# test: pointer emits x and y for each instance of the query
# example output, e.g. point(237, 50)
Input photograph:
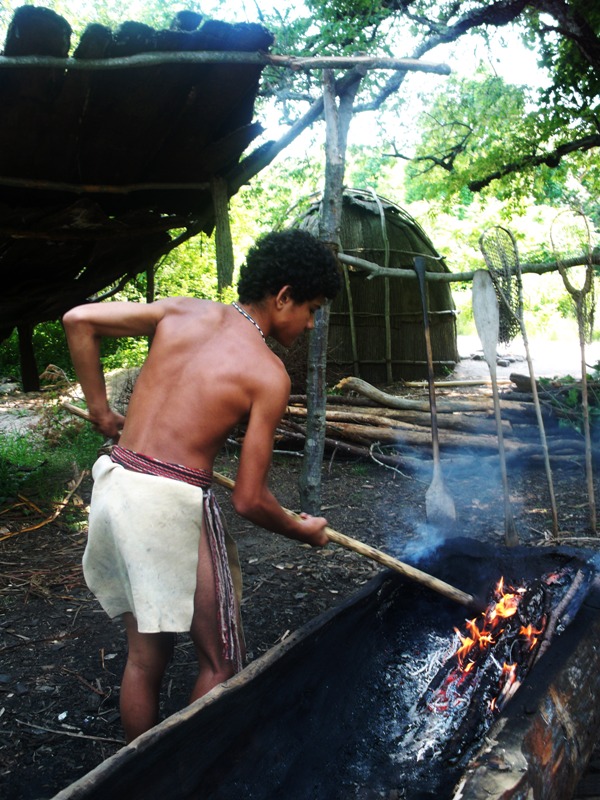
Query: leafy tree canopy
point(477, 133)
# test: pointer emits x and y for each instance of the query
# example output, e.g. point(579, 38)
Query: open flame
point(477, 643)
point(469, 687)
point(531, 634)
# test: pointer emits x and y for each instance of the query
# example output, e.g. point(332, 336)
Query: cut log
point(454, 384)
point(563, 453)
point(412, 437)
point(445, 404)
point(407, 420)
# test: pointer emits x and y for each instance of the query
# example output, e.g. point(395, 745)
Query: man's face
point(297, 318)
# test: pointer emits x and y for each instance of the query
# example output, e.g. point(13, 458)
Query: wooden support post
point(223, 241)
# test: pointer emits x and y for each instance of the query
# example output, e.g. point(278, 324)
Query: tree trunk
point(223, 242)
point(29, 369)
point(337, 123)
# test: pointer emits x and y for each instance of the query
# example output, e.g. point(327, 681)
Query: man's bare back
point(212, 366)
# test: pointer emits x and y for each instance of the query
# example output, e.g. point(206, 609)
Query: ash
point(424, 722)
point(408, 736)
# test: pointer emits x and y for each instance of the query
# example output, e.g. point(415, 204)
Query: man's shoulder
point(271, 371)
point(189, 307)
point(185, 303)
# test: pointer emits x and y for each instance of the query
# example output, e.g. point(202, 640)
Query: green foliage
point(473, 127)
point(368, 167)
point(189, 270)
point(50, 347)
point(123, 353)
point(49, 344)
point(548, 308)
point(347, 26)
point(283, 192)
point(41, 461)
point(577, 87)
point(565, 396)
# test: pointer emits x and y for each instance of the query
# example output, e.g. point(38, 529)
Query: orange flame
point(481, 635)
point(478, 638)
point(531, 634)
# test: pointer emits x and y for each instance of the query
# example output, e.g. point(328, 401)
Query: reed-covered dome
point(376, 327)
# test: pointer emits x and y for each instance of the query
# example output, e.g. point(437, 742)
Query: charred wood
point(555, 620)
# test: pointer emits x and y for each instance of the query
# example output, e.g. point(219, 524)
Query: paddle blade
point(439, 505)
point(486, 313)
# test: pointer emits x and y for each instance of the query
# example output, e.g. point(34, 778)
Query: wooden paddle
point(439, 506)
point(487, 321)
point(414, 574)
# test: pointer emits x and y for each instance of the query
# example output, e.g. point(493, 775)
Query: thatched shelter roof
point(102, 167)
point(376, 325)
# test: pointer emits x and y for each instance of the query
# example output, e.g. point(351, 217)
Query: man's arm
point(252, 498)
point(84, 327)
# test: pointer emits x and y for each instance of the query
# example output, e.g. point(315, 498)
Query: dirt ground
point(61, 658)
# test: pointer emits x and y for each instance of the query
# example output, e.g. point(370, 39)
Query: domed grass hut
point(376, 326)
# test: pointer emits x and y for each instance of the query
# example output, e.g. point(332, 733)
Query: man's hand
point(108, 423)
point(313, 530)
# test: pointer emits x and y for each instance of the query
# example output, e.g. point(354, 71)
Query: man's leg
point(213, 668)
point(147, 659)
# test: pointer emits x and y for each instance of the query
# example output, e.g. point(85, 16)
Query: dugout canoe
point(321, 715)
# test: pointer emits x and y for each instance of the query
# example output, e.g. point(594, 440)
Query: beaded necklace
point(253, 321)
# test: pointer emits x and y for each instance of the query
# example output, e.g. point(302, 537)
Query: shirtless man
point(149, 557)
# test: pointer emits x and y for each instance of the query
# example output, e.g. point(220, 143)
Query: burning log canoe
point(336, 711)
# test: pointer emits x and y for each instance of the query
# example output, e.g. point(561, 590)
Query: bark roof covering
point(99, 166)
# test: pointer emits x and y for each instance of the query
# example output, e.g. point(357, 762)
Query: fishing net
point(570, 233)
point(501, 256)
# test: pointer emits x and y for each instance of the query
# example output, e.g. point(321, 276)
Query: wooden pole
point(412, 573)
point(337, 122)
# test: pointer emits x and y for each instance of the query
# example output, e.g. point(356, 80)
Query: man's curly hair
point(292, 257)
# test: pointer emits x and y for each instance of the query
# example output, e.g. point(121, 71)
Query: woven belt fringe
point(230, 636)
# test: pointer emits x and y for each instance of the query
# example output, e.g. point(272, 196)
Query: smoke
point(426, 541)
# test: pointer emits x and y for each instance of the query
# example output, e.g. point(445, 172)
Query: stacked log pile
point(395, 429)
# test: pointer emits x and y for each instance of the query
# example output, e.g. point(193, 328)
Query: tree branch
point(552, 159)
point(295, 63)
point(266, 153)
point(497, 14)
point(376, 271)
point(573, 27)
